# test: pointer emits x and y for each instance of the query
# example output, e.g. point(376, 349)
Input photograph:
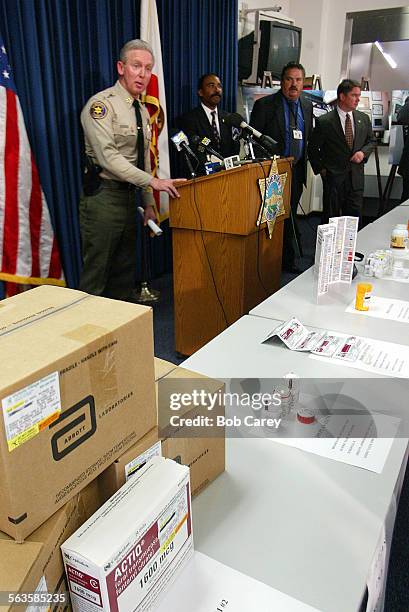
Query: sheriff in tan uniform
point(120, 147)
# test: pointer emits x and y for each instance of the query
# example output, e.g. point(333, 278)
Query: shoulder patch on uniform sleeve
point(98, 110)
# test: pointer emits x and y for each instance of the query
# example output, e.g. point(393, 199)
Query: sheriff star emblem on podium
point(271, 190)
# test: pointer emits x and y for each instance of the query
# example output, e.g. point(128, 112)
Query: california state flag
point(155, 101)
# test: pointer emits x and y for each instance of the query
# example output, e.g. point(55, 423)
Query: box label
point(30, 410)
point(135, 575)
point(135, 465)
point(84, 586)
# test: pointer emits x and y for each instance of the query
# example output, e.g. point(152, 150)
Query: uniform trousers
point(108, 231)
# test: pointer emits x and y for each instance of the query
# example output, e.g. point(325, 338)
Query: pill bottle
point(399, 236)
point(399, 270)
point(294, 389)
point(363, 296)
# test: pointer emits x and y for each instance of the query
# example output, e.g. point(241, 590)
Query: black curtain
point(63, 51)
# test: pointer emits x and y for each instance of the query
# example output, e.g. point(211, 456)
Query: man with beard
point(206, 120)
point(286, 116)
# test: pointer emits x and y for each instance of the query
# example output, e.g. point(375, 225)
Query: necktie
point(294, 142)
point(139, 143)
point(216, 135)
point(349, 136)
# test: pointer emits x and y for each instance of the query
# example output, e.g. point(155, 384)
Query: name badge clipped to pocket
point(297, 134)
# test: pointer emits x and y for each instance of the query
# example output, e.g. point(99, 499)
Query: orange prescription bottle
point(363, 296)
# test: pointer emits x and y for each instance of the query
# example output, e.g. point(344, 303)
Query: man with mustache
point(118, 176)
point(206, 120)
point(286, 116)
point(340, 145)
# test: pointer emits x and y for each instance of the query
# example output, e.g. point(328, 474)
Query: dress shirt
point(342, 115)
point(208, 112)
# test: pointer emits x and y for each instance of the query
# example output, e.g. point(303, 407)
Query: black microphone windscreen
point(234, 120)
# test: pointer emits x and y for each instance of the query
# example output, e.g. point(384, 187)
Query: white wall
point(385, 77)
point(323, 53)
point(323, 24)
point(360, 66)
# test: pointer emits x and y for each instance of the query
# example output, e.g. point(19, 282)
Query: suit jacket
point(268, 118)
point(328, 148)
point(403, 119)
point(195, 122)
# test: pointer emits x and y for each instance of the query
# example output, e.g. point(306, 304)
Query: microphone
point(181, 142)
point(203, 144)
point(236, 120)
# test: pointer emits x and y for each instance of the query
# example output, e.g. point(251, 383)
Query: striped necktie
point(349, 135)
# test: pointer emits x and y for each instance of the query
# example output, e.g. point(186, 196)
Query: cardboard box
point(128, 464)
point(37, 563)
point(76, 390)
point(132, 548)
point(204, 456)
point(162, 368)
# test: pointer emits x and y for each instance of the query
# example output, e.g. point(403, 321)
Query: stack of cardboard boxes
point(77, 391)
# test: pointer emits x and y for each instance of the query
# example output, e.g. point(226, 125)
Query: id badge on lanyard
point(297, 134)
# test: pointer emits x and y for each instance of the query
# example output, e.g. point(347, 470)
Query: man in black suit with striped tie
point(206, 120)
point(339, 147)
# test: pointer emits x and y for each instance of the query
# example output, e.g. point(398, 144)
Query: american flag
point(28, 250)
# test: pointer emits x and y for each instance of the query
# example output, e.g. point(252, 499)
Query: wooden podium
point(219, 254)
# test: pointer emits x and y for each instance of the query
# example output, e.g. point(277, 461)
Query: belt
point(118, 185)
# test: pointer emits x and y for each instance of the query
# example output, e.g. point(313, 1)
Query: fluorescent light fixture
point(387, 57)
point(390, 60)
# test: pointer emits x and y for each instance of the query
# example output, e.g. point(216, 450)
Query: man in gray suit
point(340, 145)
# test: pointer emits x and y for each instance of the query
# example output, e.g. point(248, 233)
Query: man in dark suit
point(286, 116)
point(339, 146)
point(403, 169)
point(207, 120)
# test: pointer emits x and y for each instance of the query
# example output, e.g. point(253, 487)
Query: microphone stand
point(248, 146)
point(253, 141)
point(189, 165)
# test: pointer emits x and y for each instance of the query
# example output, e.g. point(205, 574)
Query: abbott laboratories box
point(36, 564)
point(128, 464)
point(76, 390)
point(204, 455)
point(130, 550)
point(162, 367)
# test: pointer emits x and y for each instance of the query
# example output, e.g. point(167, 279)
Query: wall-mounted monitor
point(280, 43)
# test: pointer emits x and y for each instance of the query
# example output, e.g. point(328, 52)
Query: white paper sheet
point(384, 308)
point(350, 439)
point(375, 356)
point(206, 585)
